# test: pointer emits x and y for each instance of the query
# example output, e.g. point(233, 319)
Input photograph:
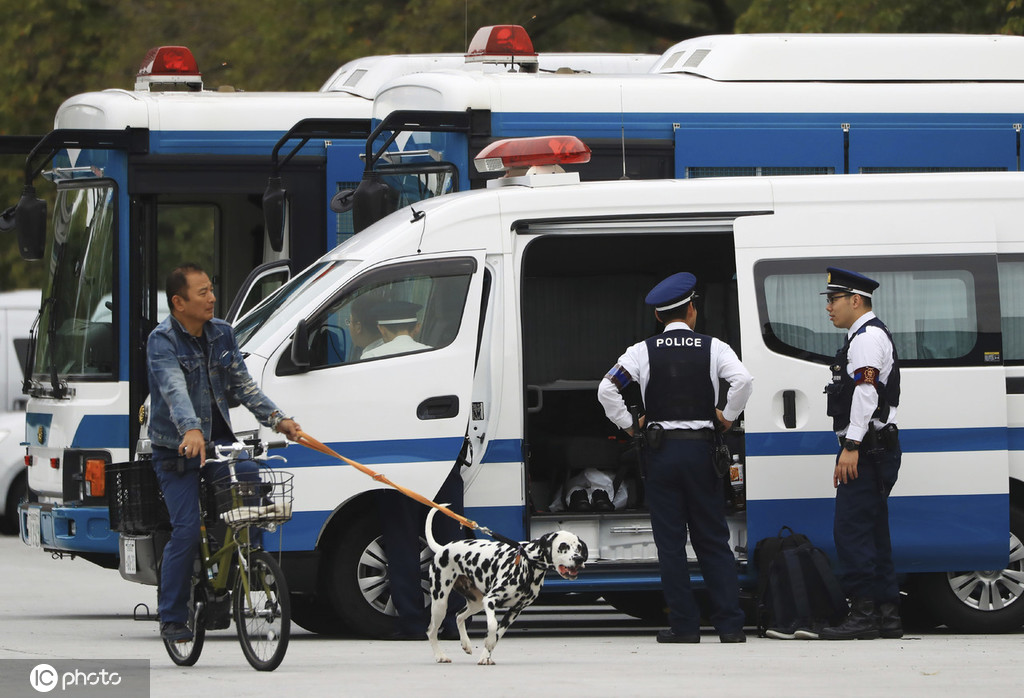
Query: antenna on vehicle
point(622, 119)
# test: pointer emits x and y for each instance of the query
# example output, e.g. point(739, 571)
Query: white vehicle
point(530, 290)
point(169, 172)
point(17, 311)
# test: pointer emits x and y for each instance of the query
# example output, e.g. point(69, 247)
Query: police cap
point(673, 292)
point(396, 312)
point(840, 280)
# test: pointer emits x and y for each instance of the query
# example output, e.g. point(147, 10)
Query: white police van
point(530, 290)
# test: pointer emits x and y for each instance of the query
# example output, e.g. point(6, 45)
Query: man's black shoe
point(730, 638)
point(668, 636)
point(861, 624)
point(601, 501)
point(578, 501)
point(175, 632)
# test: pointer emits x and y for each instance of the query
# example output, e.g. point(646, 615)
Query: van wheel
point(19, 488)
point(645, 605)
point(982, 601)
point(360, 588)
point(316, 615)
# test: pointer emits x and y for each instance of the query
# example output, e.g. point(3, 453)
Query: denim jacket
point(179, 375)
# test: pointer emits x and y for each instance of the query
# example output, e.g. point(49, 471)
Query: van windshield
point(280, 308)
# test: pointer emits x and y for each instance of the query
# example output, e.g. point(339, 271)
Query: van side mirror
point(273, 212)
point(300, 345)
point(371, 201)
point(30, 224)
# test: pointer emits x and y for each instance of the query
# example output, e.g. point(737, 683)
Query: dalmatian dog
point(493, 575)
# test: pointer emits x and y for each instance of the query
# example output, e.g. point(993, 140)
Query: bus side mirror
point(371, 201)
point(300, 345)
point(273, 212)
point(30, 224)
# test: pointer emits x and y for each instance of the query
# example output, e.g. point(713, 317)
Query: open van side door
point(950, 508)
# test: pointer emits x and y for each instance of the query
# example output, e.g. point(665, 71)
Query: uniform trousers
point(683, 492)
point(402, 522)
point(861, 528)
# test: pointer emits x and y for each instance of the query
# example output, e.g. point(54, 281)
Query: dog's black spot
point(443, 560)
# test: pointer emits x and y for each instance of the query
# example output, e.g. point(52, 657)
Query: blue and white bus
point(737, 105)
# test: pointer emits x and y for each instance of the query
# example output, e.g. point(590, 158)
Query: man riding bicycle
point(194, 368)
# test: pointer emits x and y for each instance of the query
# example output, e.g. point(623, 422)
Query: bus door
point(949, 509)
point(400, 401)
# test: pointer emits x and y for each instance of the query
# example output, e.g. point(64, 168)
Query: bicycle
point(232, 578)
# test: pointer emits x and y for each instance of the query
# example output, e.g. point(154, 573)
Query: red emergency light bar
point(169, 60)
point(523, 153)
point(172, 67)
point(501, 43)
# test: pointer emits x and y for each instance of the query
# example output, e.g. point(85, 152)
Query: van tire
point(974, 613)
point(358, 585)
point(19, 489)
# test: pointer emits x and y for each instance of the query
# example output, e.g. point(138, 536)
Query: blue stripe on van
point(378, 452)
point(504, 451)
point(816, 443)
point(929, 533)
point(101, 431)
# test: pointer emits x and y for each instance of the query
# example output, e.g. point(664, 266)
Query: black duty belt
point(690, 434)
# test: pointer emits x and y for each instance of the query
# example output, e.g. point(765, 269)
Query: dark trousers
point(402, 522)
point(181, 494)
point(683, 491)
point(861, 528)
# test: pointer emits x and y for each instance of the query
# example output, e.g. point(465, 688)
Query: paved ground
point(52, 610)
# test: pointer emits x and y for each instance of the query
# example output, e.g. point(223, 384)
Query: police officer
point(678, 372)
point(862, 401)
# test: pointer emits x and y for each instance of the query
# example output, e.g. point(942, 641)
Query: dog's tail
point(428, 533)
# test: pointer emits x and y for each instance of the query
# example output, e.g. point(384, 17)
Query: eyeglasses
point(833, 297)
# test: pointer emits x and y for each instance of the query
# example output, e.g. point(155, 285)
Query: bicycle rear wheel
point(263, 617)
point(187, 653)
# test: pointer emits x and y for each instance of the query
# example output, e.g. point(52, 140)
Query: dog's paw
point(485, 659)
point(467, 648)
point(442, 659)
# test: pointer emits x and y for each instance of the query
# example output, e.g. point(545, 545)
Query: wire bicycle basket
point(261, 497)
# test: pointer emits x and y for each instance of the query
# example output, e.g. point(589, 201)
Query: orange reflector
point(55, 463)
point(28, 459)
point(95, 482)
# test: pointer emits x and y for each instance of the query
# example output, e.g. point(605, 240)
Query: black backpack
point(796, 588)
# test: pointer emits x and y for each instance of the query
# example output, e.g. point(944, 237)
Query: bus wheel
point(982, 601)
point(360, 586)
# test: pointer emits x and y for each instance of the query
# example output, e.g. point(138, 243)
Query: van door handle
point(442, 407)
point(789, 409)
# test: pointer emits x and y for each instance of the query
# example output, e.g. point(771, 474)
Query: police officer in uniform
point(678, 372)
point(862, 401)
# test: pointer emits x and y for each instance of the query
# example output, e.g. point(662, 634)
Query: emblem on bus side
point(142, 414)
point(41, 434)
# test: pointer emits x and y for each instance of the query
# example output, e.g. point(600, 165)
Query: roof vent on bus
point(534, 161)
point(503, 44)
point(169, 68)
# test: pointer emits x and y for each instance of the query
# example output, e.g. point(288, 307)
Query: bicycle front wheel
point(262, 609)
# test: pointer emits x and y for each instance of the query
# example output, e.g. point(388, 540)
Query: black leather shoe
point(578, 501)
point(668, 636)
point(601, 502)
point(175, 632)
point(889, 624)
point(730, 638)
point(861, 624)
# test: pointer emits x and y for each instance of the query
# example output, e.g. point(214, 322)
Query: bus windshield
point(76, 326)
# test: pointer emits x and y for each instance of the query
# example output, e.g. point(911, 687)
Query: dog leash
point(309, 442)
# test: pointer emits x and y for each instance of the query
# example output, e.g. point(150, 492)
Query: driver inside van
point(397, 322)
